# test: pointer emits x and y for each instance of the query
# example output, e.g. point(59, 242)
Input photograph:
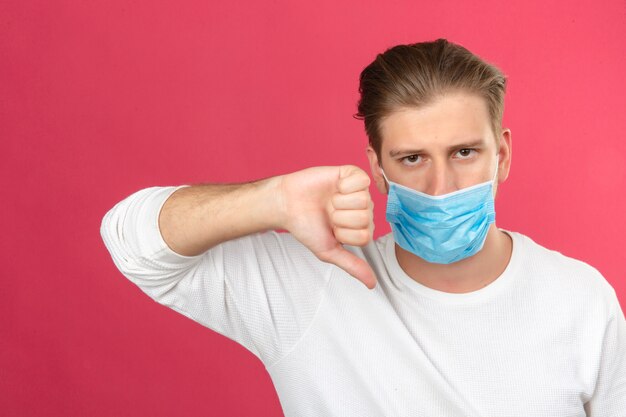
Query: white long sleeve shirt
point(546, 338)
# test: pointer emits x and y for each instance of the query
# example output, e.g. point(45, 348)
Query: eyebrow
point(470, 144)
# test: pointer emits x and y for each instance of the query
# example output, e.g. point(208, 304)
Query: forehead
point(451, 119)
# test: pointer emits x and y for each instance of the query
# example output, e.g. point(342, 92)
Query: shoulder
point(562, 274)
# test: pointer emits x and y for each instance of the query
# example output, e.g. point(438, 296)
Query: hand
point(325, 207)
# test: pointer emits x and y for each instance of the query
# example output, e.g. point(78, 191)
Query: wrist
point(273, 196)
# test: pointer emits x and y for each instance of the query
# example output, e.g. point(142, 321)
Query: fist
point(352, 210)
point(325, 207)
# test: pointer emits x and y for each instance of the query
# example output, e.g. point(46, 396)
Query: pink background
point(101, 99)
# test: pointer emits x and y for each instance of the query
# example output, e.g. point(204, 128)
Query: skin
point(327, 207)
point(441, 157)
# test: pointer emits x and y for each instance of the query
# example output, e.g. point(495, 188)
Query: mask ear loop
point(495, 174)
point(386, 180)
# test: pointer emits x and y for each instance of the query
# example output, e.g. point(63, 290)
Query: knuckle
point(363, 200)
point(365, 178)
point(323, 256)
point(363, 236)
point(339, 234)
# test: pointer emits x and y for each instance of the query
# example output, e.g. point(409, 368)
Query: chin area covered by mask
point(441, 229)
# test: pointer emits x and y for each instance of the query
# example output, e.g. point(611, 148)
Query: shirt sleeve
point(261, 290)
point(609, 397)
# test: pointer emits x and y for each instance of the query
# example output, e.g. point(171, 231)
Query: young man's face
point(444, 147)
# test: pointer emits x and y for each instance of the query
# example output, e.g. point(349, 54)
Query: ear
point(504, 153)
point(379, 180)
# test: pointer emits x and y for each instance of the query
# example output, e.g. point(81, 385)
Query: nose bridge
point(440, 178)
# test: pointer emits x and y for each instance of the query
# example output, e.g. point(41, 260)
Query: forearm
point(196, 218)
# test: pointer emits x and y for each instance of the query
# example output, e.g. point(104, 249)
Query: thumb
point(352, 264)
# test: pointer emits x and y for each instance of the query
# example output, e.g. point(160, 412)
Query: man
point(456, 317)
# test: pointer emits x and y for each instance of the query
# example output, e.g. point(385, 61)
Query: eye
point(466, 153)
point(411, 160)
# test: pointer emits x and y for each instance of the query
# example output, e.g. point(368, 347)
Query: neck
point(467, 275)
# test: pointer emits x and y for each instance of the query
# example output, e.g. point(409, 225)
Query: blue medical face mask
point(441, 229)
